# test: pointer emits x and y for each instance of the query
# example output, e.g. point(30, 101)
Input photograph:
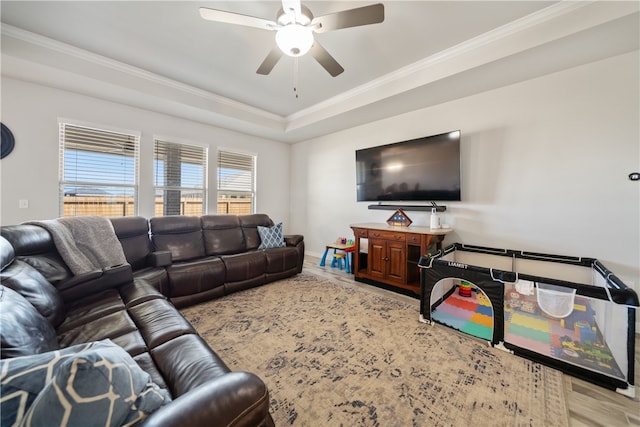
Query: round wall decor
point(7, 143)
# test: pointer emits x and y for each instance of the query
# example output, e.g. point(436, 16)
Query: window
point(236, 183)
point(98, 171)
point(180, 178)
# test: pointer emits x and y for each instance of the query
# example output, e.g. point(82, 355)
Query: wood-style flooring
point(589, 404)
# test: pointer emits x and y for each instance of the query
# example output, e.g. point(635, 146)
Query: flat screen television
point(422, 169)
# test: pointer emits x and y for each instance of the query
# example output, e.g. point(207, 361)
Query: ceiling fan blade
point(325, 59)
point(270, 61)
point(236, 18)
point(292, 6)
point(365, 15)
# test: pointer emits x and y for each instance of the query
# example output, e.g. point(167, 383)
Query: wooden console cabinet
point(389, 255)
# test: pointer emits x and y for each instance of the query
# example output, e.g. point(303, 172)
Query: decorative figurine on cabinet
point(399, 219)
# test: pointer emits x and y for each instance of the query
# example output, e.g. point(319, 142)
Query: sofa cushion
point(281, 259)
point(222, 234)
point(249, 224)
point(180, 235)
point(159, 322)
point(133, 234)
point(34, 245)
point(89, 308)
point(196, 276)
point(24, 330)
point(111, 326)
point(187, 362)
point(156, 277)
point(271, 237)
point(101, 383)
point(241, 267)
point(7, 254)
point(32, 285)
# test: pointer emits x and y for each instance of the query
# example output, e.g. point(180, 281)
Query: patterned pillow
point(95, 381)
point(271, 237)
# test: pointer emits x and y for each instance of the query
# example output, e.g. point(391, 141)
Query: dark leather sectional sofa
point(173, 262)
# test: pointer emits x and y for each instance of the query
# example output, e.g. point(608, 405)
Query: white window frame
point(100, 135)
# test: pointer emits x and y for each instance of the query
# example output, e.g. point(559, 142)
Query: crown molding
point(497, 43)
point(138, 73)
point(29, 54)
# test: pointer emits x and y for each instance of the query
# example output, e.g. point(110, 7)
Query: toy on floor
point(464, 290)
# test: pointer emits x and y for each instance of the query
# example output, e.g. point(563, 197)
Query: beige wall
point(544, 163)
point(30, 172)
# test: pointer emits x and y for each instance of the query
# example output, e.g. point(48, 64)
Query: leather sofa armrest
point(83, 285)
point(160, 258)
point(293, 239)
point(74, 281)
point(234, 399)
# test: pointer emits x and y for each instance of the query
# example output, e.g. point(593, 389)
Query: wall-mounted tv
point(422, 169)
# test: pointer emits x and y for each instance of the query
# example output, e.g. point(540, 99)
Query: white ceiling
point(162, 56)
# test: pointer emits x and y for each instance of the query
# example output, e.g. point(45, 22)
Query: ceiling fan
point(295, 25)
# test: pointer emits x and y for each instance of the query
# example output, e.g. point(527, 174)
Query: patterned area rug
point(336, 354)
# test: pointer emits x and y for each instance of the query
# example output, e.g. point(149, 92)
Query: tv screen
point(423, 169)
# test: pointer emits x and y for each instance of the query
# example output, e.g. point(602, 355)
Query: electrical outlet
point(23, 204)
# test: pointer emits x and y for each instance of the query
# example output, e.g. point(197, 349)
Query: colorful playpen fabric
point(472, 315)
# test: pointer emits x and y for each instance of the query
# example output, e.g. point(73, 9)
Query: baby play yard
point(569, 313)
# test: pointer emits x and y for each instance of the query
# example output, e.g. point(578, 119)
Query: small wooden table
point(347, 249)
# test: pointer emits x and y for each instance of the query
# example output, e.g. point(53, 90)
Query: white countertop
point(409, 229)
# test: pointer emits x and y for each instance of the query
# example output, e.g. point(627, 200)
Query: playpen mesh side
point(569, 327)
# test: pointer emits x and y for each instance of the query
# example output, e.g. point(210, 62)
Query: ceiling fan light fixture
point(294, 39)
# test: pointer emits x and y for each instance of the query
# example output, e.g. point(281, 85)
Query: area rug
point(335, 354)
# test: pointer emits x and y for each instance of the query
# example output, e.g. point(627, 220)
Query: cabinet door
point(377, 258)
point(396, 265)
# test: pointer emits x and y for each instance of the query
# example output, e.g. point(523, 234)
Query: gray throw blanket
point(85, 243)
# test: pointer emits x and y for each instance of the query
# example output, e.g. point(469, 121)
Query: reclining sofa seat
point(215, 255)
point(136, 316)
point(133, 234)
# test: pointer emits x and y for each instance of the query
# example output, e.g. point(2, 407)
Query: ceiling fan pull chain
point(295, 76)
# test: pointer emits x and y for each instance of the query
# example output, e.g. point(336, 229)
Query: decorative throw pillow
point(271, 237)
point(23, 378)
point(89, 384)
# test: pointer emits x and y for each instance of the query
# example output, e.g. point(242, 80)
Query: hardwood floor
point(589, 405)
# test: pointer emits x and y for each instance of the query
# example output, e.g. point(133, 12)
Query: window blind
point(236, 183)
point(180, 178)
point(235, 171)
point(98, 171)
